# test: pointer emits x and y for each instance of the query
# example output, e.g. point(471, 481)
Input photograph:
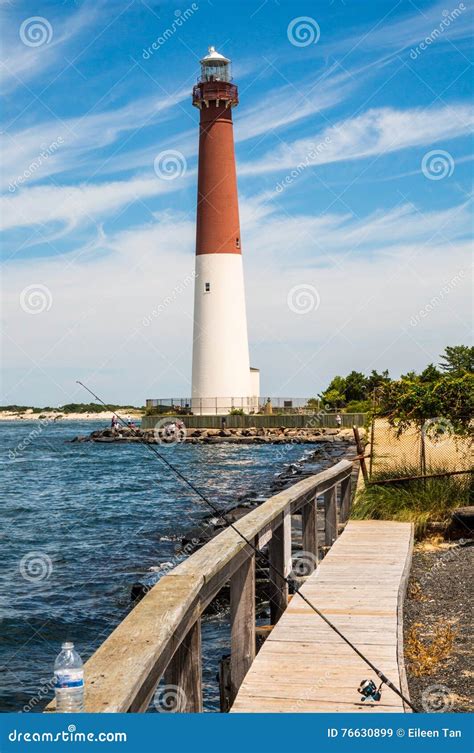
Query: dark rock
point(138, 591)
point(461, 525)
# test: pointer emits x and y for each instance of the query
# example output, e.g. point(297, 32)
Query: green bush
point(358, 406)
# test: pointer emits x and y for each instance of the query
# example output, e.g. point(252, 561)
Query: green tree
point(430, 374)
point(458, 359)
point(412, 401)
point(376, 380)
point(356, 386)
point(335, 394)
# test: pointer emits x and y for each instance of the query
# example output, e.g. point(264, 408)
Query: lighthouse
point(221, 374)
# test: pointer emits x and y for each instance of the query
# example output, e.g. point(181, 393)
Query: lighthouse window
point(207, 287)
point(237, 242)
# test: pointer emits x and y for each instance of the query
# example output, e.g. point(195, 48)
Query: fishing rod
point(261, 556)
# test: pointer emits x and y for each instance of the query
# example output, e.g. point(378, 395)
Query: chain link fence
point(431, 448)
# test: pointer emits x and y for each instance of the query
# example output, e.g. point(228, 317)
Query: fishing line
point(261, 556)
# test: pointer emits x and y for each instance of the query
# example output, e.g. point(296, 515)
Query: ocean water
point(80, 523)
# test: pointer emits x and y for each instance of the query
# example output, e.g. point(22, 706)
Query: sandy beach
point(50, 416)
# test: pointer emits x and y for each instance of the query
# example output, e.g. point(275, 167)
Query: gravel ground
point(441, 593)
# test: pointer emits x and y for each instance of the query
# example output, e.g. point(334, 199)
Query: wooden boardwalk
point(303, 665)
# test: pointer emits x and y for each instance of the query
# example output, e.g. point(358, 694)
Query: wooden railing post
point(345, 499)
point(279, 552)
point(309, 522)
point(184, 674)
point(360, 452)
point(330, 525)
point(242, 623)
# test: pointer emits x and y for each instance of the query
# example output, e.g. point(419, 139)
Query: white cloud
point(415, 27)
point(75, 204)
point(22, 63)
point(377, 131)
point(286, 105)
point(76, 140)
point(373, 280)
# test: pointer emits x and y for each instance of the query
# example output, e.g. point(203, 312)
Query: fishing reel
point(369, 690)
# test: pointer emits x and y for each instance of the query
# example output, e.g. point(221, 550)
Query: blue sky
point(353, 145)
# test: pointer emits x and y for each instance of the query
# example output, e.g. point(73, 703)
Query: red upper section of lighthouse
point(217, 227)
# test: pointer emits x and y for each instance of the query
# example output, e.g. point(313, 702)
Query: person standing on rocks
point(338, 420)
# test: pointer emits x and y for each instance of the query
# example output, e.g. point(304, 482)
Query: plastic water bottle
point(69, 680)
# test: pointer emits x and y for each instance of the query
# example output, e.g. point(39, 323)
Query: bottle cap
point(67, 644)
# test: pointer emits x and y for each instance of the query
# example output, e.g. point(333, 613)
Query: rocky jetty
point(171, 433)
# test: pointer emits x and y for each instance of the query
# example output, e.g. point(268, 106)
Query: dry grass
point(425, 655)
point(415, 592)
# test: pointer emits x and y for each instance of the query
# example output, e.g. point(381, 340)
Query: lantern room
point(215, 67)
point(214, 84)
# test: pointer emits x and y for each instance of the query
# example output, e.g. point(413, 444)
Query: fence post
point(242, 621)
point(360, 451)
point(184, 673)
point(279, 551)
point(345, 498)
point(309, 522)
point(330, 524)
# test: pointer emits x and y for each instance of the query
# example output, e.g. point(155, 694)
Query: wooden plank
point(345, 499)
point(360, 452)
point(183, 676)
point(400, 601)
point(242, 621)
point(331, 516)
point(310, 536)
point(279, 553)
point(304, 665)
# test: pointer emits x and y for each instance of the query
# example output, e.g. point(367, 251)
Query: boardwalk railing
point(162, 634)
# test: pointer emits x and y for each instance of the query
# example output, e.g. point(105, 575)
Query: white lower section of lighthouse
point(221, 378)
